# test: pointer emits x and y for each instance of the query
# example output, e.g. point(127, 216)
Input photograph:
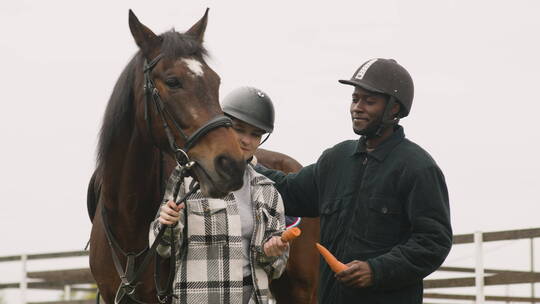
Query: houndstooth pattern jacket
point(210, 270)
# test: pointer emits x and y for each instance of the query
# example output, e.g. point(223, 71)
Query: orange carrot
point(290, 234)
point(334, 264)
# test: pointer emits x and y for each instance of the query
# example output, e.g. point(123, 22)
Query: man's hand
point(358, 275)
point(275, 246)
point(169, 214)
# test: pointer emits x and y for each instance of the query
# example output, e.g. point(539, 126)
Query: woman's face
point(249, 137)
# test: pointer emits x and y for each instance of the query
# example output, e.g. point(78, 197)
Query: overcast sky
point(474, 63)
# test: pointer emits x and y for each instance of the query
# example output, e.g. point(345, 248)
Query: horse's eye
point(173, 83)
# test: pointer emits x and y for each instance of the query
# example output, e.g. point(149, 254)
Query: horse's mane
point(119, 114)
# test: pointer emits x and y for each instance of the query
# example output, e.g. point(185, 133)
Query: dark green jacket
point(388, 207)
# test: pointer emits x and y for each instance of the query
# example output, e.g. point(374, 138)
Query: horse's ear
point(197, 30)
point(147, 41)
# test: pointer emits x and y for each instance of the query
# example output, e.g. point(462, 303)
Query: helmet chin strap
point(387, 119)
point(262, 142)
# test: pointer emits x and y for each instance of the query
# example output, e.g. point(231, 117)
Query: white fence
point(80, 279)
point(68, 280)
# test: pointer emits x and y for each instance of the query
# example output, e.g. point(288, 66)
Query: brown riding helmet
point(388, 77)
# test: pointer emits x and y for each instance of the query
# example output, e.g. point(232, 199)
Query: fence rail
point(69, 279)
point(505, 235)
point(41, 256)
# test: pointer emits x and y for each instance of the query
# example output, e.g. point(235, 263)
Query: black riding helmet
point(252, 106)
point(388, 77)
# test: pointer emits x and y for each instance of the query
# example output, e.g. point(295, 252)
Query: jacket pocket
point(331, 221)
point(384, 220)
point(207, 221)
point(271, 222)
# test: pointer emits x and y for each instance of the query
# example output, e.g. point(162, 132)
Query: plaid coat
point(209, 258)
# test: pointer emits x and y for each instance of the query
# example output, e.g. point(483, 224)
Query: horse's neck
point(131, 183)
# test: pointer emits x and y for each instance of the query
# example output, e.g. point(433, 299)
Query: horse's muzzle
point(226, 176)
point(231, 171)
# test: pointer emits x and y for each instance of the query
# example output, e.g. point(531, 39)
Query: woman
point(230, 248)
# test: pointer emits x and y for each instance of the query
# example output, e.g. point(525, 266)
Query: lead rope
point(163, 294)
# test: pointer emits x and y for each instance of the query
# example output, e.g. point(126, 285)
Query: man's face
point(367, 109)
point(249, 137)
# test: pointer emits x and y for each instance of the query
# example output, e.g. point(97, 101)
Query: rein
point(129, 276)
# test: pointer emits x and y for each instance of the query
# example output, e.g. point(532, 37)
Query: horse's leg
point(100, 260)
point(298, 285)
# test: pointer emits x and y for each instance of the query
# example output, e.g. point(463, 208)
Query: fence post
point(67, 292)
point(532, 268)
point(479, 269)
point(23, 286)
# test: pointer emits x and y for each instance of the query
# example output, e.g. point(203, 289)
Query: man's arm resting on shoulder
point(431, 235)
point(298, 190)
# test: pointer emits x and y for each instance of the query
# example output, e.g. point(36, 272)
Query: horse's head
point(179, 99)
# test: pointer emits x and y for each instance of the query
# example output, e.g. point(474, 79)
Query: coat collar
point(256, 178)
point(382, 151)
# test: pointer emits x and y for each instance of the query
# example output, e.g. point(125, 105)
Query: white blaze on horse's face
point(194, 66)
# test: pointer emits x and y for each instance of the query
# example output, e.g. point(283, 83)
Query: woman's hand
point(169, 214)
point(275, 246)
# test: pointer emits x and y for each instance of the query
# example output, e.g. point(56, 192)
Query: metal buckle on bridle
point(162, 299)
point(155, 92)
point(182, 158)
point(190, 164)
point(129, 288)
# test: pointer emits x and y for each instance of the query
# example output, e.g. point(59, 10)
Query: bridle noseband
point(152, 95)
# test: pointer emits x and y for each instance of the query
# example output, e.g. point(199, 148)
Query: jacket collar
point(382, 151)
point(256, 178)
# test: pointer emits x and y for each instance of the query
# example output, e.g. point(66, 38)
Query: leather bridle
point(152, 96)
point(130, 276)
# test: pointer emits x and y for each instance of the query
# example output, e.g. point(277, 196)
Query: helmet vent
point(364, 69)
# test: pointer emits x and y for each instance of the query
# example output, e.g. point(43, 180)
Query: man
point(382, 199)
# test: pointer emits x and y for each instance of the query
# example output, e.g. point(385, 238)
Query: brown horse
point(298, 284)
point(166, 97)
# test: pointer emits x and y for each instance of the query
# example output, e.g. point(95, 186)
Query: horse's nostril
point(226, 164)
point(232, 169)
